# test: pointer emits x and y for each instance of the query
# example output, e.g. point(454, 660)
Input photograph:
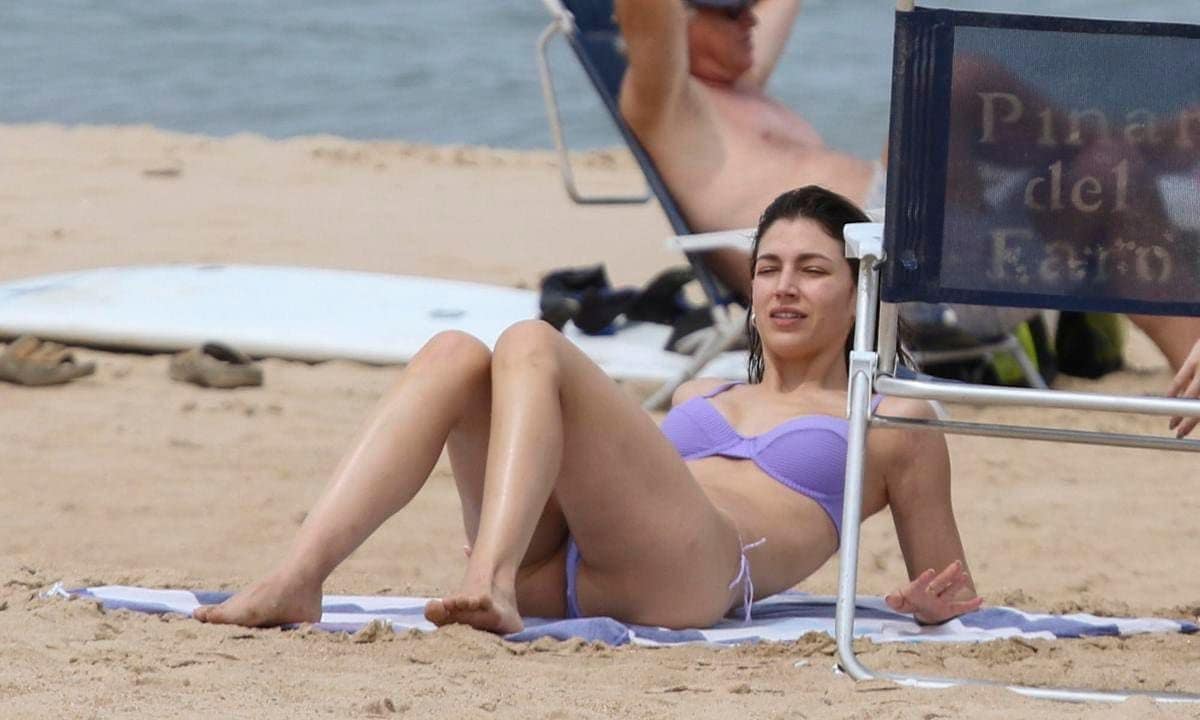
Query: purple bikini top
point(806, 453)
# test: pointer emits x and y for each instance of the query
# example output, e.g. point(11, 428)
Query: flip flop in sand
point(215, 365)
point(33, 362)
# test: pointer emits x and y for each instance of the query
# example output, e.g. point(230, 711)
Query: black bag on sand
point(1089, 345)
point(585, 297)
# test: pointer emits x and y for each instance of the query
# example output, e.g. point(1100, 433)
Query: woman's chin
point(799, 345)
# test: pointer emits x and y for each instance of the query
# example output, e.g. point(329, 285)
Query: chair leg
point(1028, 368)
point(856, 456)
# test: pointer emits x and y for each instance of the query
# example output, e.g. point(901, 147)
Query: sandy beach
point(126, 477)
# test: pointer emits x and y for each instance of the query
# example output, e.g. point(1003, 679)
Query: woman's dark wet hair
point(826, 208)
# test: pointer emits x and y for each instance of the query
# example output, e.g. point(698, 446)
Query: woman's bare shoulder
point(695, 388)
point(907, 407)
point(891, 447)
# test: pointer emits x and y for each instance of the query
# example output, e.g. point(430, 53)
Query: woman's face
point(803, 290)
point(720, 47)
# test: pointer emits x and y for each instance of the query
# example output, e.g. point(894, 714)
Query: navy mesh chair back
point(1045, 162)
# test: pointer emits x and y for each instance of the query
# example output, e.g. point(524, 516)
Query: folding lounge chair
point(1046, 228)
point(590, 30)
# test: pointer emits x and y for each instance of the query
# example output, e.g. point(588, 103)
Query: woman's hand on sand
point(932, 596)
point(1186, 385)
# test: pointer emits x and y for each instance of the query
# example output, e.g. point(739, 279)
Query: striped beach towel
point(782, 617)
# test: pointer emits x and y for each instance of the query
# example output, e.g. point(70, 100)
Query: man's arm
point(1186, 385)
point(775, 21)
point(655, 33)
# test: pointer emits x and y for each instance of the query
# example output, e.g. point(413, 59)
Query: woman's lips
point(786, 318)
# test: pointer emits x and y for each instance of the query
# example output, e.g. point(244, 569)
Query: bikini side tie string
point(743, 576)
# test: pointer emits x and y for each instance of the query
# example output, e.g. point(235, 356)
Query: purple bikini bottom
point(743, 578)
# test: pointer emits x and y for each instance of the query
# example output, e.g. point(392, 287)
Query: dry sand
point(126, 477)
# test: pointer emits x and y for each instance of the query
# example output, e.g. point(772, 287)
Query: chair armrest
point(863, 239)
point(742, 239)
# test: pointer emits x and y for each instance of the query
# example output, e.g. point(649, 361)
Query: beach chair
point(591, 32)
point(1020, 150)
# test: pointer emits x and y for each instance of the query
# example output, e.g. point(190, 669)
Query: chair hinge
point(862, 361)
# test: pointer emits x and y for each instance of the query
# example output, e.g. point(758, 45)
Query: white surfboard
point(303, 314)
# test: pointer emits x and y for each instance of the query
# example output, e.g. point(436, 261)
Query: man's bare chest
point(759, 123)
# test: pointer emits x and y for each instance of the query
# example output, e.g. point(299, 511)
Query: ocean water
point(446, 72)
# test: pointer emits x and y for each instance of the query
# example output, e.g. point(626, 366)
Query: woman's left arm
point(916, 480)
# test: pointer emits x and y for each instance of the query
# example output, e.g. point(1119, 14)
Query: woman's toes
point(436, 612)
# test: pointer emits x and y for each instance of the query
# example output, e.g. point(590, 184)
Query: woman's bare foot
point(267, 603)
point(483, 611)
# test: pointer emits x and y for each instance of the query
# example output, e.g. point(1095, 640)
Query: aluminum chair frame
point(871, 367)
point(563, 24)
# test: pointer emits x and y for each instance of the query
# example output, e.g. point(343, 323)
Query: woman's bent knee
point(528, 343)
point(454, 351)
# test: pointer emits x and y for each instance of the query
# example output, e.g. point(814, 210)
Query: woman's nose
point(786, 286)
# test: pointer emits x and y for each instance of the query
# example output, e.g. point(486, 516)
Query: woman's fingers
point(1183, 426)
point(921, 582)
point(898, 602)
point(958, 607)
point(957, 583)
point(902, 600)
point(1186, 383)
point(929, 596)
point(1180, 381)
point(946, 578)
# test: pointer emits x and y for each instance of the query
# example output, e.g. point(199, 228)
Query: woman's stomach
point(800, 535)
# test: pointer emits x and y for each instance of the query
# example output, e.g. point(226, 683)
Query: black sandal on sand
point(215, 365)
point(33, 362)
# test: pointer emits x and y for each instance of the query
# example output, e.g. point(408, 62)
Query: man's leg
point(1174, 336)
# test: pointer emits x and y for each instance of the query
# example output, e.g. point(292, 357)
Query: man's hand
point(930, 598)
point(1186, 385)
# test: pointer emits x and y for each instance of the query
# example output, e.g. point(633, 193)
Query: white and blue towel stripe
point(782, 617)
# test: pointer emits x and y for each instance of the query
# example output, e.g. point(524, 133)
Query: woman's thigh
point(654, 548)
point(467, 448)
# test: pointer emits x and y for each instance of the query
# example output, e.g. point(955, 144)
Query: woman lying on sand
point(576, 503)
